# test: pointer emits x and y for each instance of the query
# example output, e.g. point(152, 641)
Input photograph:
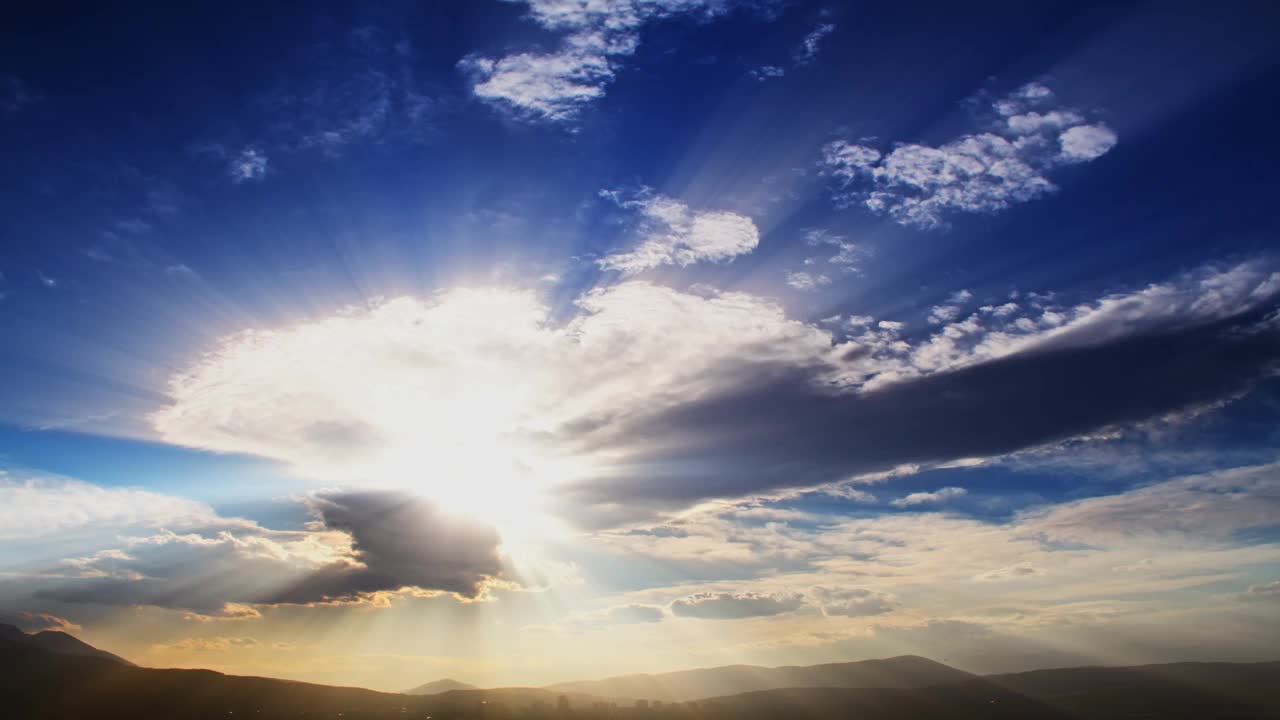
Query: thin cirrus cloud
point(651, 399)
point(669, 232)
point(555, 86)
point(1009, 163)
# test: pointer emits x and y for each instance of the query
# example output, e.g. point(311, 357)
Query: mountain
point(439, 686)
point(40, 684)
point(1176, 690)
point(907, 671)
point(56, 642)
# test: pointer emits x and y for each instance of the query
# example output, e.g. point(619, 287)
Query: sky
point(531, 341)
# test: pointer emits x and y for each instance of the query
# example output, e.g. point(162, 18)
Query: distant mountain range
point(908, 671)
point(439, 686)
point(53, 676)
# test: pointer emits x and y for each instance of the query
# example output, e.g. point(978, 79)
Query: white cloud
point(670, 233)
point(930, 498)
point(733, 606)
point(919, 185)
point(808, 51)
point(849, 255)
point(248, 164)
point(555, 86)
point(1086, 142)
point(806, 282)
point(853, 602)
point(446, 414)
point(38, 506)
point(1211, 505)
point(765, 72)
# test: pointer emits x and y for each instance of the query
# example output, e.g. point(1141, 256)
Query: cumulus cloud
point(555, 86)
point(732, 606)
point(1009, 163)
point(650, 399)
point(670, 233)
point(930, 498)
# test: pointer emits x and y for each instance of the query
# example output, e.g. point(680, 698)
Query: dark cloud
point(780, 427)
point(400, 540)
point(729, 606)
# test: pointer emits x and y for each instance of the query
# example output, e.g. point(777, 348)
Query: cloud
point(1214, 504)
point(765, 72)
point(806, 282)
point(808, 51)
point(634, 613)
point(848, 254)
point(920, 185)
point(648, 399)
point(1011, 572)
point(209, 644)
point(38, 622)
point(1083, 143)
point(361, 544)
point(731, 606)
point(399, 540)
point(248, 164)
point(853, 602)
point(930, 498)
point(670, 233)
point(41, 506)
point(1267, 592)
point(555, 86)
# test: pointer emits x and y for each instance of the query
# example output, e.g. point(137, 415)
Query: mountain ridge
point(56, 641)
point(903, 671)
point(435, 687)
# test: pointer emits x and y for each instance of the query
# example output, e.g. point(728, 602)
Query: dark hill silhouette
point(54, 641)
point(439, 686)
point(907, 671)
point(40, 684)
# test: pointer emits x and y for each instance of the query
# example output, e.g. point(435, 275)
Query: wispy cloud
point(930, 498)
point(808, 51)
point(1009, 163)
point(671, 233)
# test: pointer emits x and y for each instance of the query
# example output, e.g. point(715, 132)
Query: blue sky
point(640, 304)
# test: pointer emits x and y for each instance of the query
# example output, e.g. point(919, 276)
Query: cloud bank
point(652, 399)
